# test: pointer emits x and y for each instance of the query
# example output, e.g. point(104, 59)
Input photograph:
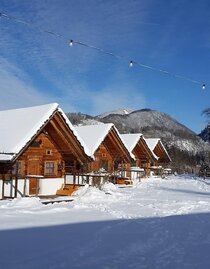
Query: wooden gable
point(63, 139)
point(160, 151)
point(62, 136)
point(115, 146)
point(142, 152)
point(40, 154)
point(110, 153)
point(103, 159)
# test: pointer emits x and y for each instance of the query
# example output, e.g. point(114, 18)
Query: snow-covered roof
point(18, 126)
point(83, 144)
point(131, 140)
point(93, 135)
point(6, 157)
point(152, 143)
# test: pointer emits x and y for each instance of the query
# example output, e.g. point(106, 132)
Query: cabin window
point(35, 144)
point(17, 168)
point(50, 168)
point(48, 152)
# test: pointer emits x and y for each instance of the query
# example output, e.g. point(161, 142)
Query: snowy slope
point(120, 111)
point(150, 123)
point(144, 117)
point(153, 123)
point(80, 119)
point(155, 224)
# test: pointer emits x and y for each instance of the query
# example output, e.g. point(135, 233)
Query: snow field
point(157, 223)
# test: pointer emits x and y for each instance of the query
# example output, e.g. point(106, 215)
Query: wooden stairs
point(124, 181)
point(67, 189)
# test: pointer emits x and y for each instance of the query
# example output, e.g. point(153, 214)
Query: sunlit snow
point(156, 223)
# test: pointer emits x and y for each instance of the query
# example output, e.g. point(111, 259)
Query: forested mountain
point(205, 134)
point(185, 147)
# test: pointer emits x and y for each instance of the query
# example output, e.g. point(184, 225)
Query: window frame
point(17, 168)
point(50, 173)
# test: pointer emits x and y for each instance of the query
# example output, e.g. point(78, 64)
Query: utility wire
point(71, 42)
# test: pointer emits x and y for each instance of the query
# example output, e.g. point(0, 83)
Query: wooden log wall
point(33, 160)
point(103, 159)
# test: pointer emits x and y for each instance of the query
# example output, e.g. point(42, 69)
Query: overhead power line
point(72, 42)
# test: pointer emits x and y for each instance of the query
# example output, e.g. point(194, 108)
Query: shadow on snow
point(171, 242)
point(185, 191)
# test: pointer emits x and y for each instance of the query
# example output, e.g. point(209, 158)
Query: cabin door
point(33, 169)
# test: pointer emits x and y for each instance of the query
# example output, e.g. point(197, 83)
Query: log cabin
point(142, 155)
point(38, 144)
point(105, 144)
point(156, 145)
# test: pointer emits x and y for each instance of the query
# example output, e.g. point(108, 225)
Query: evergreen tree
point(206, 112)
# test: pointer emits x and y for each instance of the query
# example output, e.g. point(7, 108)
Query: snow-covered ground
point(157, 223)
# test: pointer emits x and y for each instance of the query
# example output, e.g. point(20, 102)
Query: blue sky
point(37, 68)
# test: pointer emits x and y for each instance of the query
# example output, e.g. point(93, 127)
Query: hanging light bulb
point(71, 43)
point(131, 64)
point(203, 86)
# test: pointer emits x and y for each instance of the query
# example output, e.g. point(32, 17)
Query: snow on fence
point(46, 186)
point(49, 186)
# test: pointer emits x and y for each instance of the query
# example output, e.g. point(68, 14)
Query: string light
point(131, 63)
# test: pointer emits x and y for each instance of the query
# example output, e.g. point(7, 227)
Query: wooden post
point(37, 187)
point(16, 187)
point(74, 178)
point(2, 188)
point(24, 187)
point(16, 179)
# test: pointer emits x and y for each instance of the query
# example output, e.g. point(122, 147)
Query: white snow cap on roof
point(93, 135)
point(18, 126)
point(6, 157)
point(130, 141)
point(152, 142)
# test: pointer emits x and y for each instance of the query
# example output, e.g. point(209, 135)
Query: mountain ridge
point(119, 111)
point(186, 148)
